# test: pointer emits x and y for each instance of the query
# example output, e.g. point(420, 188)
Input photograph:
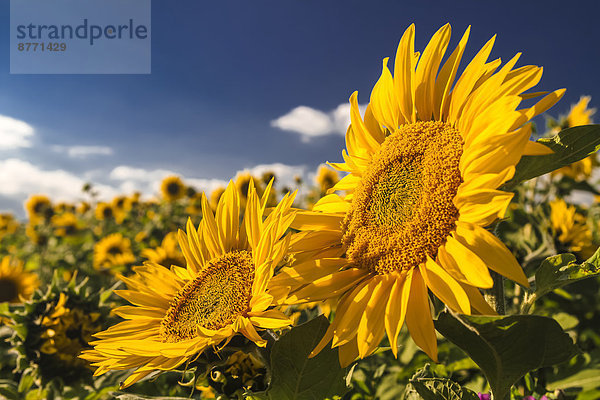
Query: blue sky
point(225, 73)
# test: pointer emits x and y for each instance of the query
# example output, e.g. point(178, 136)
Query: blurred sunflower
point(167, 253)
point(571, 228)
point(172, 188)
point(63, 207)
point(16, 285)
point(194, 206)
point(423, 170)
point(65, 224)
point(326, 178)
point(83, 207)
point(243, 180)
point(8, 224)
point(39, 208)
point(179, 312)
point(579, 115)
point(113, 251)
point(104, 211)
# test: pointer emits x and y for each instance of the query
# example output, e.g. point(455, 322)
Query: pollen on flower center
point(402, 210)
point(220, 293)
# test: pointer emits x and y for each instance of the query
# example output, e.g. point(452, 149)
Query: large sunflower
point(178, 312)
point(16, 285)
point(423, 171)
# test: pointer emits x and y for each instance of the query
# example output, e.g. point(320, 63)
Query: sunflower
point(326, 178)
point(65, 224)
point(16, 285)
point(104, 211)
point(423, 170)
point(172, 188)
point(179, 312)
point(579, 115)
point(167, 253)
point(571, 228)
point(38, 208)
point(83, 207)
point(8, 224)
point(112, 251)
point(243, 180)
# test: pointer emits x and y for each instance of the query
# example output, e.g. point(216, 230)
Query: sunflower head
point(65, 224)
point(104, 211)
point(215, 196)
point(243, 181)
point(167, 253)
point(221, 292)
point(570, 228)
point(172, 188)
point(8, 224)
point(63, 207)
point(16, 285)
point(579, 115)
point(39, 208)
point(423, 166)
point(83, 207)
point(113, 252)
point(326, 178)
point(51, 329)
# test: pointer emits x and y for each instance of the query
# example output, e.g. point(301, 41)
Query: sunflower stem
point(495, 295)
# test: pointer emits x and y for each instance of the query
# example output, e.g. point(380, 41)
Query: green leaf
point(295, 376)
point(507, 347)
point(430, 387)
point(569, 145)
point(560, 270)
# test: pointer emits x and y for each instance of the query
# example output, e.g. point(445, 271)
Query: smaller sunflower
point(112, 251)
point(326, 178)
point(167, 253)
point(65, 224)
point(8, 224)
point(215, 196)
point(83, 207)
point(243, 180)
point(104, 211)
point(63, 207)
point(178, 313)
point(571, 228)
point(16, 285)
point(579, 115)
point(172, 188)
point(39, 208)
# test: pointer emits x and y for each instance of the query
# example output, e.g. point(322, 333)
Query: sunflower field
point(451, 253)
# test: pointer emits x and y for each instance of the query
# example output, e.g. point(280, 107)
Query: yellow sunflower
point(104, 211)
point(215, 196)
point(113, 251)
point(326, 178)
point(167, 253)
point(8, 224)
point(172, 188)
point(65, 224)
point(16, 285)
point(179, 312)
point(423, 170)
point(579, 115)
point(571, 228)
point(39, 208)
point(243, 180)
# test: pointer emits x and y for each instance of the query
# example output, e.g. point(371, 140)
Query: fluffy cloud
point(84, 151)
point(14, 133)
point(310, 122)
point(19, 179)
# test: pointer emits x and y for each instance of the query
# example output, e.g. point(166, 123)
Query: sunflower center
point(173, 188)
point(219, 294)
point(403, 209)
point(9, 290)
point(114, 250)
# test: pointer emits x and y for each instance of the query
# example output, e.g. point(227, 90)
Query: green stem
point(495, 295)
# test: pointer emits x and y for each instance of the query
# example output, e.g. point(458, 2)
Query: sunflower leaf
point(560, 270)
point(295, 376)
point(569, 145)
point(507, 347)
point(431, 387)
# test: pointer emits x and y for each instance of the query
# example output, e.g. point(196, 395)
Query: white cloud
point(19, 179)
point(83, 151)
point(310, 122)
point(285, 174)
point(14, 133)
